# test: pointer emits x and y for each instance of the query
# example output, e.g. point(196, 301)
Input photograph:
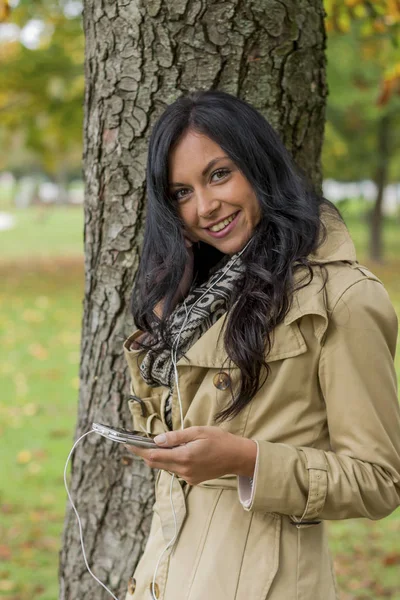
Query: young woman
point(263, 358)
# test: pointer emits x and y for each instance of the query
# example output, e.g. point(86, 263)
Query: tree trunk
point(140, 56)
point(381, 175)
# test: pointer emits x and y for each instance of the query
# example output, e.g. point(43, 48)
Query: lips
point(222, 224)
point(224, 227)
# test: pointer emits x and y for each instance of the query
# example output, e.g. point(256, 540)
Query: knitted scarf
point(203, 306)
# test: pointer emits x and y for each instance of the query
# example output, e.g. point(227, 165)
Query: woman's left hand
point(198, 454)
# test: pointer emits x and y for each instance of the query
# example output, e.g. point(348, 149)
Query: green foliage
point(41, 92)
point(363, 61)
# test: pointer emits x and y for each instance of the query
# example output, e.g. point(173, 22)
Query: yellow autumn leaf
point(38, 351)
point(6, 585)
point(24, 457)
point(30, 409)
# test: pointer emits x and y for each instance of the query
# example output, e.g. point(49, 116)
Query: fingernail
point(160, 439)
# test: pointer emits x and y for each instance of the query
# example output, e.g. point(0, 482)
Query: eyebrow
point(205, 170)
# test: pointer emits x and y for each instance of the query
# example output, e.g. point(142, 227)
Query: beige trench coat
point(327, 427)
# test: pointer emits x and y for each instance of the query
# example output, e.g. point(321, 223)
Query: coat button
point(222, 380)
point(131, 585)
point(156, 590)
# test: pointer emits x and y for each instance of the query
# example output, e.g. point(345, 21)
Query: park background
point(42, 276)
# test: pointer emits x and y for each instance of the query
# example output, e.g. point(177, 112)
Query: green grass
point(40, 318)
point(39, 334)
point(44, 232)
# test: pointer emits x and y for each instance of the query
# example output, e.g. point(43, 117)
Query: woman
point(263, 358)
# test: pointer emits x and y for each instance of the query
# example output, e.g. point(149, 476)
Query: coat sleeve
point(147, 403)
point(360, 475)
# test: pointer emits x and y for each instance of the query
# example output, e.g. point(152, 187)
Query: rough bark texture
point(140, 55)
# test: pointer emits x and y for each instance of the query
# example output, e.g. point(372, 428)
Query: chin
point(232, 246)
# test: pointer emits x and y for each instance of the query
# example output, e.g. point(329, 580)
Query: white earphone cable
point(77, 515)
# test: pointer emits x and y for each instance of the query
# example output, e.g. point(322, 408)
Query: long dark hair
point(289, 230)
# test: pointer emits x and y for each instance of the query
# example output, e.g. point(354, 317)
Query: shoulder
point(328, 283)
point(360, 312)
point(340, 290)
point(340, 278)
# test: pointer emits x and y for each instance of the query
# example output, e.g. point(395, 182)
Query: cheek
point(187, 214)
point(253, 209)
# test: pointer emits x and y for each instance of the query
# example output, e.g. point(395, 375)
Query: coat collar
point(287, 340)
point(338, 245)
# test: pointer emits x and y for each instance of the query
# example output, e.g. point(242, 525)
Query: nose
point(207, 203)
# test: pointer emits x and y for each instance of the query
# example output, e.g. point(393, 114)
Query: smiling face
point(215, 201)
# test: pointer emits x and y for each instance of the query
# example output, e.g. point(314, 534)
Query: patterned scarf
point(205, 304)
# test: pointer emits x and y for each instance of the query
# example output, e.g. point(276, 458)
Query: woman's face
point(215, 201)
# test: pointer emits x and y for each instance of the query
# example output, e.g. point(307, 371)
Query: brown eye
point(180, 194)
point(220, 174)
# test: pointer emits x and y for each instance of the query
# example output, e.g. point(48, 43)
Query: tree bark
point(140, 56)
point(381, 177)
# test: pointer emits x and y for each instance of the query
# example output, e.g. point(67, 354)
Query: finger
point(137, 450)
point(178, 437)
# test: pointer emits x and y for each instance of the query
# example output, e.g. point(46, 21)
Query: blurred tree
point(42, 90)
point(362, 138)
point(140, 56)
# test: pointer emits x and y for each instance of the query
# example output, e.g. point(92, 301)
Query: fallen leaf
point(6, 585)
point(30, 409)
point(391, 559)
point(24, 457)
point(38, 351)
point(39, 453)
point(5, 552)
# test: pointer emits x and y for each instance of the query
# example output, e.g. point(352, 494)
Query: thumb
point(178, 437)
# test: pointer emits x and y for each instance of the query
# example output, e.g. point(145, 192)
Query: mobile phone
point(124, 436)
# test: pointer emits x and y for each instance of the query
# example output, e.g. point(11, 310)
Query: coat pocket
point(260, 558)
point(146, 414)
point(238, 556)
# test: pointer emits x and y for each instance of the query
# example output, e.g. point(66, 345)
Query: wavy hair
point(290, 229)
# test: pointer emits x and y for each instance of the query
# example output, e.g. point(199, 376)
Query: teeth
point(222, 224)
